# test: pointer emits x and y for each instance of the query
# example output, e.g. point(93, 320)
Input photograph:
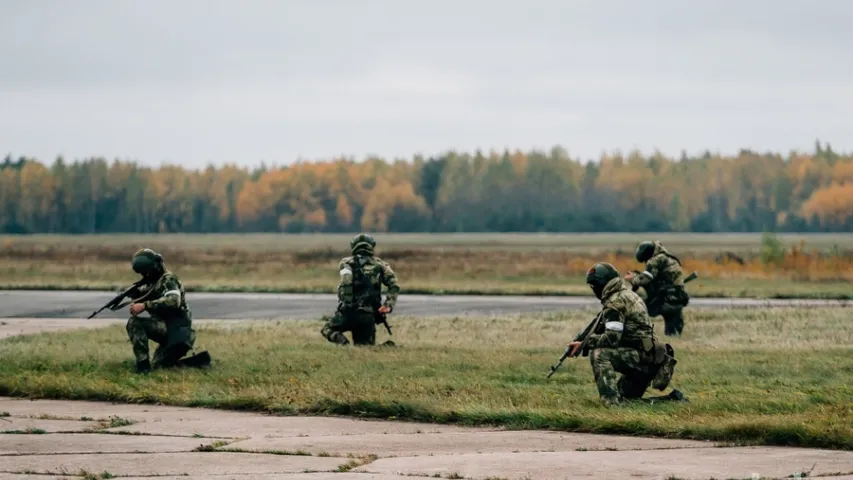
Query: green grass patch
point(762, 376)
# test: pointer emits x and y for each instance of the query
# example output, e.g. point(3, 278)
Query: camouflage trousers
point(636, 371)
point(362, 326)
point(669, 304)
point(142, 329)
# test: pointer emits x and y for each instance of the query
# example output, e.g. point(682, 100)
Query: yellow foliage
point(832, 204)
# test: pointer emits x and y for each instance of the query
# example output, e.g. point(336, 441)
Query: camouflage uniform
point(360, 294)
point(663, 282)
point(169, 323)
point(624, 342)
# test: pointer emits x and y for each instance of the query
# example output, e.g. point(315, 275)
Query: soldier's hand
point(575, 346)
point(137, 308)
point(384, 309)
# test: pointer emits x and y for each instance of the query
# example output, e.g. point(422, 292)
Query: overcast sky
point(198, 81)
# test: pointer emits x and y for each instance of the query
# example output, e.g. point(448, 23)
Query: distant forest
point(455, 192)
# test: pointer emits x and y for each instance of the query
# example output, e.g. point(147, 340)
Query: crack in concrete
point(119, 432)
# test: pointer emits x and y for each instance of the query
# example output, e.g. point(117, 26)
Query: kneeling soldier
point(360, 305)
point(624, 342)
point(170, 321)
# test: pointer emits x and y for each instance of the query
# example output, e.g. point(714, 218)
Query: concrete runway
point(175, 443)
point(236, 306)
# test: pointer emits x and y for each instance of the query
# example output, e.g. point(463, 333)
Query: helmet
point(362, 242)
point(146, 261)
point(599, 275)
point(644, 251)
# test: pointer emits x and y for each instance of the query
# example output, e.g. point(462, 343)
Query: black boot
point(673, 396)
point(143, 367)
point(676, 396)
point(199, 360)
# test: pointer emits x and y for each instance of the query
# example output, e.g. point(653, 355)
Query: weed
point(28, 431)
point(211, 447)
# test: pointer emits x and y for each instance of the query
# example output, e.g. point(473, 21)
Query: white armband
point(614, 326)
point(172, 292)
point(346, 276)
point(648, 275)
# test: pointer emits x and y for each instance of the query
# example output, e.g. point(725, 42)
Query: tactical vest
point(365, 292)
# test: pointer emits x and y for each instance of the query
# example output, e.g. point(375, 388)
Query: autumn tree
point(495, 191)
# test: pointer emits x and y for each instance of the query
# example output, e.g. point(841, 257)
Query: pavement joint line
point(127, 452)
point(84, 473)
point(121, 432)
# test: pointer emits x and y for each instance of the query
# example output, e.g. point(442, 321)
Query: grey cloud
point(210, 80)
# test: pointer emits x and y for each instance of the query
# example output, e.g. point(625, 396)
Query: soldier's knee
point(594, 355)
point(134, 324)
point(601, 355)
point(334, 336)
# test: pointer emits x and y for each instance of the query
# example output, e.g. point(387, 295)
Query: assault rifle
point(581, 337)
point(115, 303)
point(687, 279)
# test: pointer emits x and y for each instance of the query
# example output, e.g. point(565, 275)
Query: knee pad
point(333, 335)
point(338, 337)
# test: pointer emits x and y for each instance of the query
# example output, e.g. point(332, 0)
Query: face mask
point(597, 290)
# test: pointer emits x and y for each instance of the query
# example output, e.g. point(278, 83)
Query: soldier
point(624, 342)
point(169, 323)
point(360, 305)
point(664, 285)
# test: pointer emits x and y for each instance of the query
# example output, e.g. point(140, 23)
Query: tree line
point(505, 191)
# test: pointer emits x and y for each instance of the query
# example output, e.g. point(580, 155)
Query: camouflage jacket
point(166, 300)
point(663, 270)
point(625, 322)
point(360, 286)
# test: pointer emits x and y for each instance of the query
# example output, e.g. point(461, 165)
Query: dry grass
point(776, 376)
point(489, 264)
point(591, 243)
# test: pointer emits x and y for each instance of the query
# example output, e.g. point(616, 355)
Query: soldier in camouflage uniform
point(360, 305)
point(663, 282)
point(169, 323)
point(624, 342)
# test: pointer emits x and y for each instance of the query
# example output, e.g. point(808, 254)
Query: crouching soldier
point(360, 305)
point(169, 320)
point(663, 281)
point(626, 356)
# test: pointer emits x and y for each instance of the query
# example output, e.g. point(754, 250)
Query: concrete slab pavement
point(143, 441)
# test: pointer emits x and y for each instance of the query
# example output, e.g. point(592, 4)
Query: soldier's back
point(668, 270)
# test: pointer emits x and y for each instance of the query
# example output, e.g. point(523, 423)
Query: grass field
point(780, 377)
point(802, 266)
